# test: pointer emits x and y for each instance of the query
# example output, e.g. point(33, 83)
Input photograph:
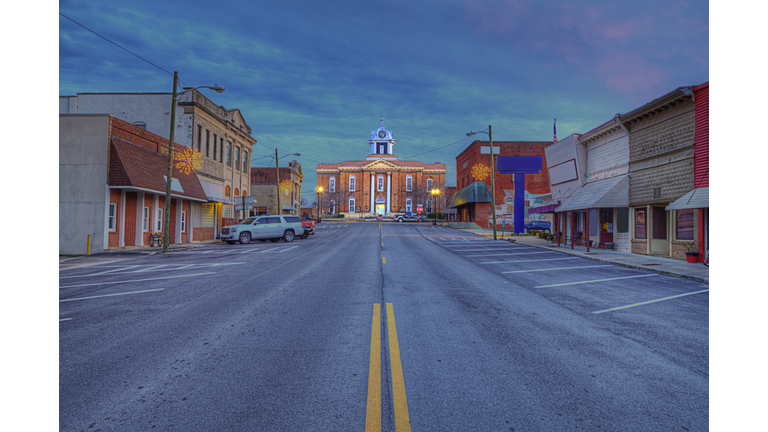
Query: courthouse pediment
point(380, 164)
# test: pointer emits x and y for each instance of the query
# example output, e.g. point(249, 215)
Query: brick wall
point(130, 218)
point(203, 234)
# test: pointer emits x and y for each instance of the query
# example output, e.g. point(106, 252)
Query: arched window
point(245, 192)
point(409, 183)
point(352, 183)
point(380, 185)
point(237, 192)
point(227, 191)
point(408, 205)
point(429, 184)
point(332, 184)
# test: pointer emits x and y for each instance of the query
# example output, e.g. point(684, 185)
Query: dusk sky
point(313, 77)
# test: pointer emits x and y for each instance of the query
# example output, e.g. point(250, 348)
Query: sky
point(315, 77)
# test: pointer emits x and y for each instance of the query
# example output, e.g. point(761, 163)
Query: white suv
point(272, 227)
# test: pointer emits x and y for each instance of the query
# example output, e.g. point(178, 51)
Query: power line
point(439, 148)
point(169, 73)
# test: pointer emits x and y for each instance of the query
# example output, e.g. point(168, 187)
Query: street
point(371, 326)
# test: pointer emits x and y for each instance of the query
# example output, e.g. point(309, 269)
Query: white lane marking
point(536, 260)
point(150, 268)
point(110, 295)
point(509, 253)
point(650, 301)
point(110, 271)
point(287, 249)
point(597, 280)
point(561, 268)
point(138, 280)
point(65, 319)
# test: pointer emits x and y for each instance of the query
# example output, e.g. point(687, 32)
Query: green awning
point(477, 192)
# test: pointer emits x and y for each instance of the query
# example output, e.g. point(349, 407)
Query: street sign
point(419, 209)
point(239, 207)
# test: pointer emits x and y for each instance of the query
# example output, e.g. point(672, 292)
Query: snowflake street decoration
point(286, 186)
point(188, 160)
point(480, 172)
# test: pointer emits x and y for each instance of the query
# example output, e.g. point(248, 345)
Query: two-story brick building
point(474, 165)
point(264, 189)
point(380, 184)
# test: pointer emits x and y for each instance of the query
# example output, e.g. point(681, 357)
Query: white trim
point(351, 205)
point(408, 183)
point(380, 183)
point(332, 184)
point(352, 183)
point(111, 227)
point(139, 241)
point(389, 192)
point(148, 218)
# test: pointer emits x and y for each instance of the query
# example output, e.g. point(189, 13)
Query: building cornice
point(675, 97)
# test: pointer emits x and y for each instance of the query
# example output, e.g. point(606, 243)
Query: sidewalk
point(666, 266)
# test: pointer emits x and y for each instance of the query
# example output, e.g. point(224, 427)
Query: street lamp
point(167, 220)
point(277, 175)
point(435, 193)
point(493, 181)
point(319, 191)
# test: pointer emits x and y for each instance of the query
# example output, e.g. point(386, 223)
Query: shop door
point(659, 240)
point(623, 242)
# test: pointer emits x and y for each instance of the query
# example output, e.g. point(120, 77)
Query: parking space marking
point(106, 272)
point(111, 295)
point(65, 319)
point(148, 269)
point(597, 280)
point(521, 261)
point(288, 249)
point(561, 268)
point(509, 253)
point(649, 301)
point(164, 267)
point(138, 280)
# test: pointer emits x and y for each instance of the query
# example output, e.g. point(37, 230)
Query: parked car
point(409, 216)
point(538, 226)
point(309, 228)
point(270, 227)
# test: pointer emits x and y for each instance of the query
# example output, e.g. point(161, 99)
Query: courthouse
point(379, 184)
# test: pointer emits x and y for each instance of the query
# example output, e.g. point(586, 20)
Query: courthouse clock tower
point(382, 144)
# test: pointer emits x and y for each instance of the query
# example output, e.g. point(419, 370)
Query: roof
point(695, 199)
point(477, 192)
point(612, 192)
point(396, 163)
point(133, 166)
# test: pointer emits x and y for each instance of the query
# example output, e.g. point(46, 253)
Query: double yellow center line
point(400, 402)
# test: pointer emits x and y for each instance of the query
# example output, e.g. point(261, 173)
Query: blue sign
point(519, 164)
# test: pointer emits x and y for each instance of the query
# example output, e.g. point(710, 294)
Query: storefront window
point(640, 231)
point(684, 225)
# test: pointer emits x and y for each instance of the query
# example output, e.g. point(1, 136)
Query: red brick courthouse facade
point(380, 184)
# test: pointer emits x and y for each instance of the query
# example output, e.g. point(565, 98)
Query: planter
point(692, 257)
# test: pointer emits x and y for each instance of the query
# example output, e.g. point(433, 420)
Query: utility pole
point(167, 216)
point(277, 175)
point(493, 183)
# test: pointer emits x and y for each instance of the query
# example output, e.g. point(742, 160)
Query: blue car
point(538, 226)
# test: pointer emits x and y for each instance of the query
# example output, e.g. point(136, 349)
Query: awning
point(287, 207)
point(477, 192)
point(697, 198)
point(613, 192)
point(543, 209)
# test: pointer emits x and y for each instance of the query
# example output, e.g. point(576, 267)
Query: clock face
point(382, 134)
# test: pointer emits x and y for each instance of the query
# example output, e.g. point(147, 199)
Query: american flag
point(555, 130)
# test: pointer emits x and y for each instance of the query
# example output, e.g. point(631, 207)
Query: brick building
point(221, 136)
point(380, 184)
point(112, 187)
point(264, 189)
point(474, 165)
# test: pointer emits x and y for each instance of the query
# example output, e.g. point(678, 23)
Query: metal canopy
point(477, 192)
point(697, 198)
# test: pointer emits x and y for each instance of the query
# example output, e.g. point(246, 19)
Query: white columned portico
point(373, 192)
point(389, 192)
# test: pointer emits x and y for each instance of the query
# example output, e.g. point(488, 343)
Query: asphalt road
point(468, 334)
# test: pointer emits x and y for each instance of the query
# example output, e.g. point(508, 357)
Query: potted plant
point(691, 252)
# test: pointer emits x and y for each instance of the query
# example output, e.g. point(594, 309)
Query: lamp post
point(167, 218)
point(319, 191)
point(493, 181)
point(435, 193)
point(277, 176)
